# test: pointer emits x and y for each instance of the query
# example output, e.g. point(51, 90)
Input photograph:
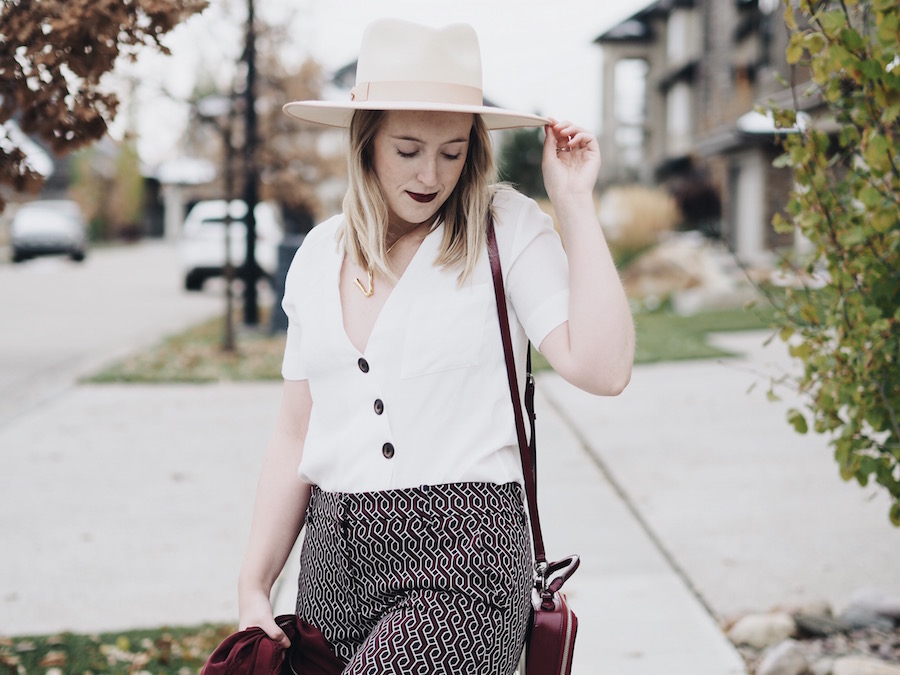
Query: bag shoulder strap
point(527, 452)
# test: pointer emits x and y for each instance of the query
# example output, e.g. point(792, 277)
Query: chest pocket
point(446, 330)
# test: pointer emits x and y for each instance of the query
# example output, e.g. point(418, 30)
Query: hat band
point(421, 92)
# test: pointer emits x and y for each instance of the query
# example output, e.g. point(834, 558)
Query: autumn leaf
point(54, 54)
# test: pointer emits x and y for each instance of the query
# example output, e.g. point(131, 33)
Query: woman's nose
point(428, 171)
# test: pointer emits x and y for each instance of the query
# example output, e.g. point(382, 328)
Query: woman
point(396, 405)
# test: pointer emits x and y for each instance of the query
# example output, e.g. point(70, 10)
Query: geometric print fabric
point(432, 580)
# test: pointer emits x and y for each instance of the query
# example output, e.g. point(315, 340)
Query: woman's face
point(418, 158)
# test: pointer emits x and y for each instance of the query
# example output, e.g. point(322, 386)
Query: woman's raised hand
point(571, 162)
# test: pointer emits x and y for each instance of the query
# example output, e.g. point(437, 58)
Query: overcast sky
point(537, 55)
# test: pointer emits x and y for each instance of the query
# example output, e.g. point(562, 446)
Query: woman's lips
point(423, 199)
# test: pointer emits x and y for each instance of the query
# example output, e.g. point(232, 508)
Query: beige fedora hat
point(407, 66)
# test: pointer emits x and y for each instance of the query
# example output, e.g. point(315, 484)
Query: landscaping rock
point(860, 641)
point(662, 271)
point(786, 658)
point(856, 617)
point(761, 630)
point(824, 666)
point(877, 602)
point(694, 273)
point(815, 608)
point(813, 625)
point(860, 665)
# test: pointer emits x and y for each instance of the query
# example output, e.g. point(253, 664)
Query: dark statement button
point(387, 450)
point(379, 406)
point(363, 365)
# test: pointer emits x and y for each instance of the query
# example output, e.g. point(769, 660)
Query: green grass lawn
point(664, 336)
point(165, 650)
point(196, 354)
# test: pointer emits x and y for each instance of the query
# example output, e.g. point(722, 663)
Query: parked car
point(201, 246)
point(48, 227)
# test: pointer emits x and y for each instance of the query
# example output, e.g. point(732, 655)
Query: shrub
point(846, 203)
point(634, 217)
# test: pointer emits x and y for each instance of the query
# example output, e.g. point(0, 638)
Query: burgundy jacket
point(252, 652)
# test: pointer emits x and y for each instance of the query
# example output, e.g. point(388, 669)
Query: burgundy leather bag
point(551, 636)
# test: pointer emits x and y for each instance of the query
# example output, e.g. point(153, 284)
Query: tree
point(108, 185)
point(520, 161)
point(294, 167)
point(53, 54)
point(846, 203)
point(293, 160)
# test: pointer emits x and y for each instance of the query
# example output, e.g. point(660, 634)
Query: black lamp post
point(251, 174)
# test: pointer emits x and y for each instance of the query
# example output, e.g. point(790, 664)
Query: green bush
point(846, 203)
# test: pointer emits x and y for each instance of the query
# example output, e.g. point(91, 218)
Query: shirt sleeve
point(537, 276)
point(301, 287)
point(292, 366)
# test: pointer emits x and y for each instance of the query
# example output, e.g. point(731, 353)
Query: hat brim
point(334, 114)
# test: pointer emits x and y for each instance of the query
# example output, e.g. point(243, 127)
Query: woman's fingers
point(568, 136)
point(571, 159)
point(273, 630)
point(551, 142)
point(256, 610)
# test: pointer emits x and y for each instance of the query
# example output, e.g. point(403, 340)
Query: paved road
point(61, 319)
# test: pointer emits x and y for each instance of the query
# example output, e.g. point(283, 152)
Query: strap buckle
point(541, 567)
point(550, 577)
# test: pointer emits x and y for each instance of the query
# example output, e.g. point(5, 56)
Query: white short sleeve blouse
point(428, 401)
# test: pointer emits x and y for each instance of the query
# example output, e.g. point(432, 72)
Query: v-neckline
point(387, 301)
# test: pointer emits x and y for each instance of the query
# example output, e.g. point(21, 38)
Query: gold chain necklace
point(370, 289)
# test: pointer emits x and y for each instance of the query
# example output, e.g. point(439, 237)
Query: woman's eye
point(406, 155)
point(452, 157)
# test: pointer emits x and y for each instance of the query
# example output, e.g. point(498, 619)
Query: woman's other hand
point(571, 161)
point(256, 610)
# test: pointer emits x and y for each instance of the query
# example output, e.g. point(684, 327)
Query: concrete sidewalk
point(752, 513)
point(636, 614)
point(129, 506)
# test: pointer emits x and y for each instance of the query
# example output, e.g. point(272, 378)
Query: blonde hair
point(464, 213)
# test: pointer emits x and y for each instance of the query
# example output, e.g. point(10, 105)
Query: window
point(630, 108)
point(681, 36)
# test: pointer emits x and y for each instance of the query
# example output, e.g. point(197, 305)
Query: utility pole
point(251, 174)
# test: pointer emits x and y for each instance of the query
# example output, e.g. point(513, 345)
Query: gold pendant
point(365, 291)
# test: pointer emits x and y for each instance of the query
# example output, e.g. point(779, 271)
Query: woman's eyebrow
point(418, 140)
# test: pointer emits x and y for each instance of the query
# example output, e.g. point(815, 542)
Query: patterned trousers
point(429, 581)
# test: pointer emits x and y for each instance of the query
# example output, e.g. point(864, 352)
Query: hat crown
point(394, 50)
point(407, 66)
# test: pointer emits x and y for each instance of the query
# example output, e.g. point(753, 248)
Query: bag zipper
point(567, 646)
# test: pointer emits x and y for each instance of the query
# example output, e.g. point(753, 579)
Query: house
point(681, 79)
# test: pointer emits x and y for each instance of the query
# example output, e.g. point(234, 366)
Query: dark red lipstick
point(422, 199)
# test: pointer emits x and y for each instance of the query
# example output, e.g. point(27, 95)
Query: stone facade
point(707, 64)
